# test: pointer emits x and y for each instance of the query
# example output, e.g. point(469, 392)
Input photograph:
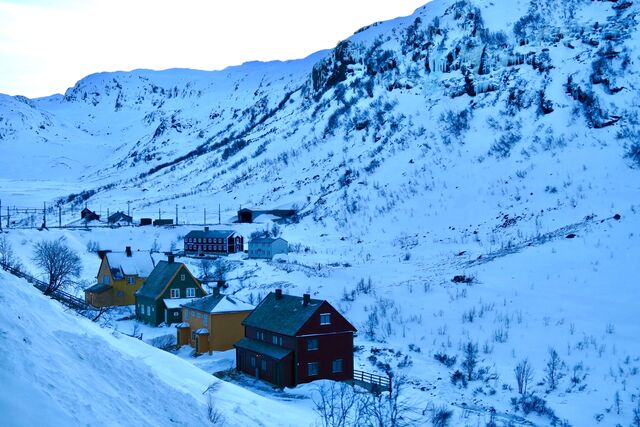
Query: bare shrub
point(553, 369)
point(524, 375)
point(470, 351)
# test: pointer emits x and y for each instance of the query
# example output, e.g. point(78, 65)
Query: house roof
point(210, 234)
point(158, 279)
point(117, 216)
point(216, 304)
point(267, 349)
point(139, 263)
point(172, 303)
point(98, 289)
point(266, 240)
point(284, 316)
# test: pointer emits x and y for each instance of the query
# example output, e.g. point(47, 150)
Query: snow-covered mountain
point(471, 139)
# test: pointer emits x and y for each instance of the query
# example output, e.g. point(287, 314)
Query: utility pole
point(0, 214)
point(59, 217)
point(176, 214)
point(7, 216)
point(129, 208)
point(205, 216)
point(159, 213)
point(44, 215)
point(218, 213)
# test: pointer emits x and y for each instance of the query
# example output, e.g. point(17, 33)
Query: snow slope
point(60, 369)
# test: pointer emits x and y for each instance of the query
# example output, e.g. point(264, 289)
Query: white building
point(267, 247)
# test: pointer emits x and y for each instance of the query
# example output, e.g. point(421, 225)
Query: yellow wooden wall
point(227, 330)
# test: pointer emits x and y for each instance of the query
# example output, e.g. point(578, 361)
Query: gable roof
point(118, 216)
point(266, 240)
point(139, 263)
point(284, 316)
point(216, 304)
point(216, 234)
point(157, 282)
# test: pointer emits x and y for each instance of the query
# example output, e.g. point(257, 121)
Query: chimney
point(206, 229)
point(128, 250)
point(306, 299)
point(216, 291)
point(171, 258)
point(102, 254)
point(278, 293)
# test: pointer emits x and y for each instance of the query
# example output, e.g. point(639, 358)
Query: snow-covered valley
point(494, 141)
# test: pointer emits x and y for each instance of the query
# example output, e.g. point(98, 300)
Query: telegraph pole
point(205, 216)
point(218, 213)
point(176, 214)
point(0, 214)
point(44, 215)
point(129, 208)
point(59, 217)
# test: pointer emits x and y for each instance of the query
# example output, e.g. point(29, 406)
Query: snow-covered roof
point(172, 303)
point(139, 263)
point(216, 304)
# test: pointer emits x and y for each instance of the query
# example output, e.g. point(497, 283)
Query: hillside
point(493, 140)
point(61, 369)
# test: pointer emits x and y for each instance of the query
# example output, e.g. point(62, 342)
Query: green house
point(169, 285)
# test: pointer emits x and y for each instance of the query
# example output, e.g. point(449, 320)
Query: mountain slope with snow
point(493, 140)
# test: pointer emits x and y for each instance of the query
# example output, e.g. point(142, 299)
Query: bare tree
point(636, 416)
point(59, 262)
point(617, 402)
point(336, 404)
point(470, 361)
point(205, 268)
point(554, 365)
point(6, 251)
point(391, 409)
point(524, 375)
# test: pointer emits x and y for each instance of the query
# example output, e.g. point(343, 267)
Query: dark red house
point(89, 215)
point(212, 242)
point(291, 340)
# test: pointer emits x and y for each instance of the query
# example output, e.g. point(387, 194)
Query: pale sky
point(48, 45)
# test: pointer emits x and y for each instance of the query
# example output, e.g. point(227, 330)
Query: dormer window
point(325, 318)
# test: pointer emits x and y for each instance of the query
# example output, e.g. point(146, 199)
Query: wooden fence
point(71, 301)
point(372, 382)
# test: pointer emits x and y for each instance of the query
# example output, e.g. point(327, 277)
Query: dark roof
point(284, 316)
point(158, 279)
point(98, 289)
point(119, 216)
point(267, 349)
point(265, 239)
point(210, 234)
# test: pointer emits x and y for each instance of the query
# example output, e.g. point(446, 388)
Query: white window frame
point(131, 280)
point(148, 310)
point(205, 320)
point(183, 277)
point(106, 280)
point(312, 340)
point(191, 292)
point(313, 369)
point(325, 319)
point(174, 293)
point(186, 315)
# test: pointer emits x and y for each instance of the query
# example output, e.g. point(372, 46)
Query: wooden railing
point(65, 298)
point(372, 381)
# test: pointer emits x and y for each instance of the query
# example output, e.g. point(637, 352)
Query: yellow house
point(120, 275)
point(212, 323)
